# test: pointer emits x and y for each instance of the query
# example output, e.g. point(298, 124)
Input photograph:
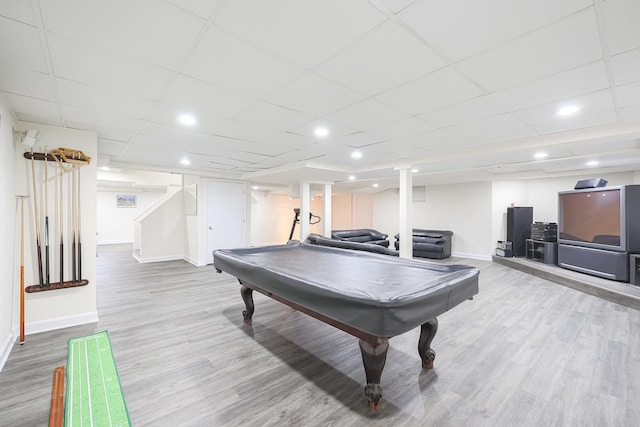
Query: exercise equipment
point(296, 220)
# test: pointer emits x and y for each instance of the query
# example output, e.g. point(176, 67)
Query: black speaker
point(591, 183)
point(519, 220)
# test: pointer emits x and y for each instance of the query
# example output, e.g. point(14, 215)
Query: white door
point(225, 216)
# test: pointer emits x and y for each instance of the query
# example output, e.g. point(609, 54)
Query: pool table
point(371, 296)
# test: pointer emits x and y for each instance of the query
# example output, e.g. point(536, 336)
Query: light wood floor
point(524, 352)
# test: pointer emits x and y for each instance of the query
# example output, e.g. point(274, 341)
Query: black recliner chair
point(435, 244)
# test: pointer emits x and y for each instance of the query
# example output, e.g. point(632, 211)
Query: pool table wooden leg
point(374, 356)
point(247, 297)
point(427, 332)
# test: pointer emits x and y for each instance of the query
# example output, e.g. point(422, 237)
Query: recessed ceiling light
point(105, 168)
point(321, 132)
point(187, 119)
point(592, 163)
point(376, 185)
point(415, 170)
point(540, 155)
point(356, 155)
point(568, 110)
point(185, 162)
point(351, 177)
point(254, 187)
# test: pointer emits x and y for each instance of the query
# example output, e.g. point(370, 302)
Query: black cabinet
point(519, 220)
point(546, 252)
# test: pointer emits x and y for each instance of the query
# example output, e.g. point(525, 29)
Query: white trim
point(158, 258)
point(60, 322)
point(113, 242)
point(471, 256)
point(6, 348)
point(194, 261)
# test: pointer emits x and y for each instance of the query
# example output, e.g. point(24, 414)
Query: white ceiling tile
point(315, 95)
point(26, 54)
point(110, 148)
point(397, 5)
point(115, 135)
point(630, 114)
point(26, 82)
point(304, 32)
point(366, 115)
point(74, 61)
point(589, 78)
point(202, 8)
point(18, 11)
point(628, 95)
point(559, 47)
point(621, 28)
point(589, 104)
point(406, 127)
point(45, 119)
point(579, 122)
point(100, 99)
point(626, 67)
point(384, 59)
point(32, 106)
point(228, 62)
point(488, 127)
point(189, 94)
point(467, 111)
point(139, 32)
point(439, 89)
point(461, 28)
point(95, 119)
point(272, 116)
point(356, 139)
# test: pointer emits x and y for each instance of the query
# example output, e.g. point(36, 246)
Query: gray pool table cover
point(378, 294)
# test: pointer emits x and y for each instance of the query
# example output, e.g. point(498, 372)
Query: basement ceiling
point(460, 90)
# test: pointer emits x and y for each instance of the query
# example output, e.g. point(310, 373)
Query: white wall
point(64, 307)
point(10, 230)
point(115, 225)
point(162, 230)
point(272, 216)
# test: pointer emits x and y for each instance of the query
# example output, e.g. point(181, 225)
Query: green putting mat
point(93, 393)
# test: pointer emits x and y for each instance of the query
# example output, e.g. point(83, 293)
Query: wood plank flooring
point(524, 352)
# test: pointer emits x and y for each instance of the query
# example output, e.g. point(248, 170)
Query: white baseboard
point(194, 261)
point(60, 322)
point(145, 260)
point(44, 326)
point(5, 349)
point(471, 256)
point(113, 242)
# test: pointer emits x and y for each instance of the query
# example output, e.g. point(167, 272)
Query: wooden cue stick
point(46, 220)
point(21, 269)
point(61, 228)
point(79, 230)
point(73, 226)
point(37, 218)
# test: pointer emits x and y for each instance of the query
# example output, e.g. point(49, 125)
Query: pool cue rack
point(68, 160)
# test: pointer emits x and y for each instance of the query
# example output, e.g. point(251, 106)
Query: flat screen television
point(603, 218)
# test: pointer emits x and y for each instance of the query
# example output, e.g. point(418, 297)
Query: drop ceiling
point(460, 90)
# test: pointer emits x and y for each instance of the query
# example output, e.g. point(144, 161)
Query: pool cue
point(37, 217)
point(61, 228)
point(73, 226)
point(46, 221)
point(22, 267)
point(79, 230)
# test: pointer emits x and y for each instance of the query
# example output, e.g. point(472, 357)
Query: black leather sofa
point(361, 235)
point(435, 244)
point(317, 239)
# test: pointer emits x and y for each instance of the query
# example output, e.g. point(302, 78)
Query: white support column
point(305, 209)
point(326, 211)
point(406, 206)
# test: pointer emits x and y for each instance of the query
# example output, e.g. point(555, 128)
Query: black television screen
point(592, 217)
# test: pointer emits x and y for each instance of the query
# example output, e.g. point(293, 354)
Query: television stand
point(545, 252)
point(597, 262)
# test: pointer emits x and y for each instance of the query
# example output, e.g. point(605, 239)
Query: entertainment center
point(599, 229)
